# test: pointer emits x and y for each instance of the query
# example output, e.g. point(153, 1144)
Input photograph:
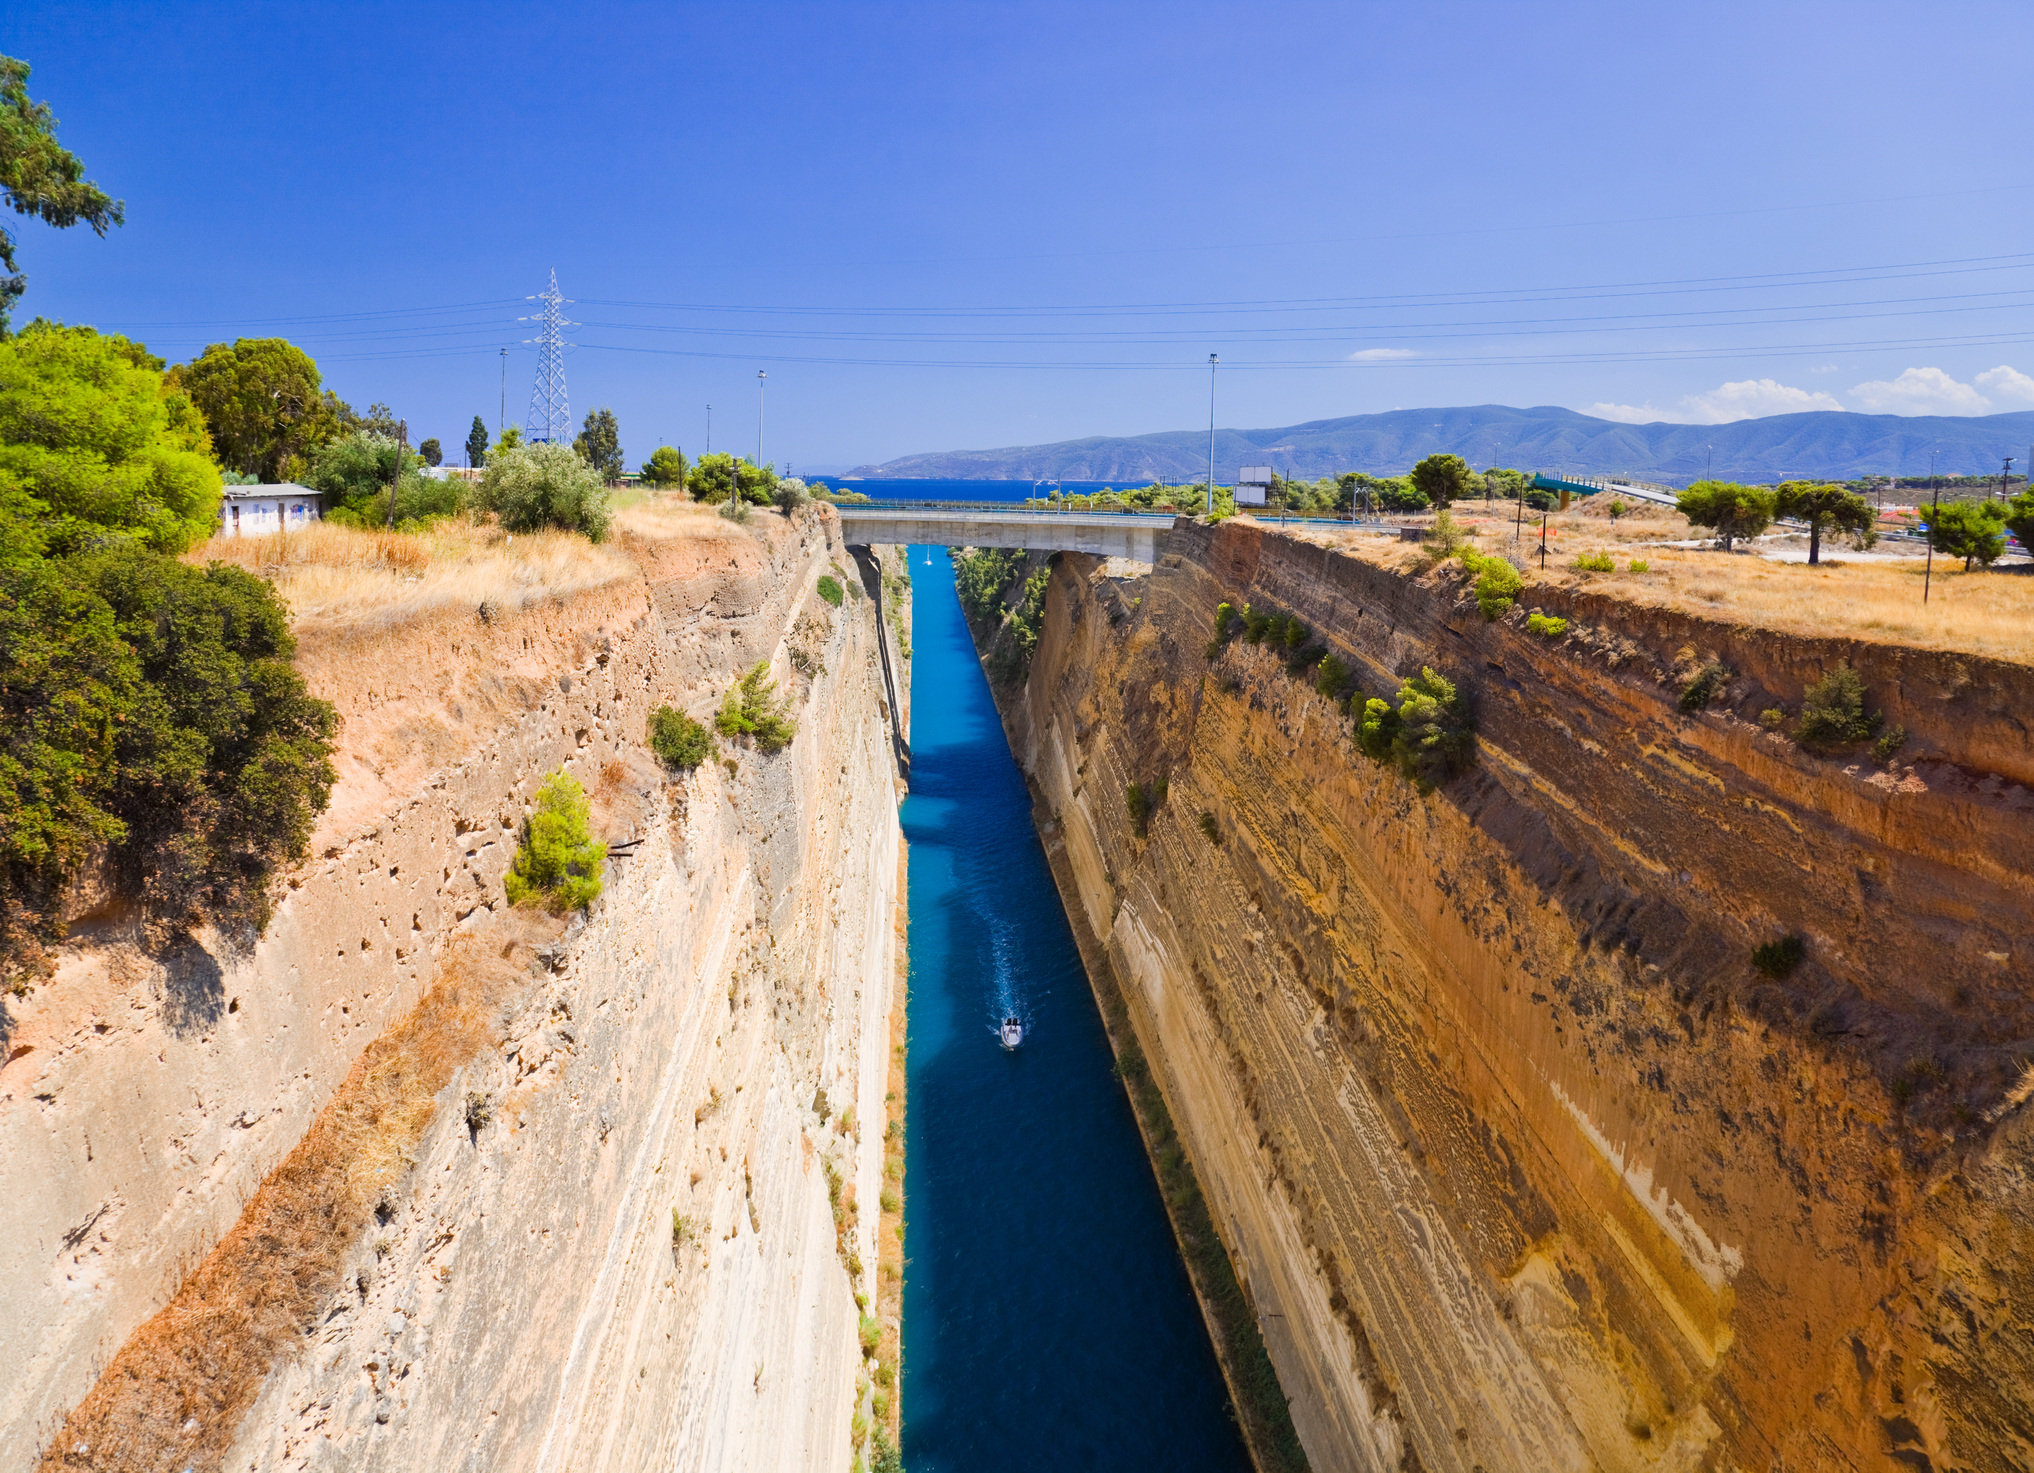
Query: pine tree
point(476, 444)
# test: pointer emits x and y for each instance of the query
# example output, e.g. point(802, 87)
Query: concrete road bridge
point(1138, 535)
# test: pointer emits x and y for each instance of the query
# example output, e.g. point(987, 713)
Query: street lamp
point(1212, 360)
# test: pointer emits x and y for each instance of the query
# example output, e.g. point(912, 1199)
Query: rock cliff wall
point(615, 1242)
point(1522, 1163)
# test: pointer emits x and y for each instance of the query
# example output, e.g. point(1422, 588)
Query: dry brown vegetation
point(339, 578)
point(177, 1391)
point(1875, 597)
point(890, 1218)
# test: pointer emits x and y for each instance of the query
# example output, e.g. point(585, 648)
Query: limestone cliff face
point(1523, 1164)
point(624, 1251)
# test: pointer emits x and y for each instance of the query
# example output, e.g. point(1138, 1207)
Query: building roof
point(284, 490)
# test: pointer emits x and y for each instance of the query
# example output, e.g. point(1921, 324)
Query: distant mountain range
point(1825, 444)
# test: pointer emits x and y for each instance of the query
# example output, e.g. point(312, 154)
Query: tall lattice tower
point(550, 418)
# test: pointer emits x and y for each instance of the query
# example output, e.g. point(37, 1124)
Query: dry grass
point(1875, 598)
point(336, 578)
point(176, 1393)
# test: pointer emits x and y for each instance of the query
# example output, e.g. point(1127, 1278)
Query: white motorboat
point(1012, 1033)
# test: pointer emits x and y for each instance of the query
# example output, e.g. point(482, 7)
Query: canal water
point(1048, 1321)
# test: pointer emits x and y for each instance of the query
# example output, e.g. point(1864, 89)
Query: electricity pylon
point(550, 420)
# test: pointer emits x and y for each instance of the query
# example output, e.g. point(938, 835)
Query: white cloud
point(1628, 414)
point(1376, 355)
point(1924, 391)
point(1751, 398)
point(2007, 383)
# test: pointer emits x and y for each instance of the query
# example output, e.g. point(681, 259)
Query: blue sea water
point(1048, 1321)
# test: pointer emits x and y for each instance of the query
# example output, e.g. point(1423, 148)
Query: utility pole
point(1928, 573)
point(402, 456)
point(760, 376)
point(1212, 360)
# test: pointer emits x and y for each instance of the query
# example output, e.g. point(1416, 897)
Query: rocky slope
point(620, 1231)
point(1521, 1161)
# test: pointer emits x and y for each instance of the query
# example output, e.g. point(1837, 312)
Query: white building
point(1252, 482)
point(256, 511)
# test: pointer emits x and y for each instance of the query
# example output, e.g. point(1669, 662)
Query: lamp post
point(760, 376)
point(1212, 360)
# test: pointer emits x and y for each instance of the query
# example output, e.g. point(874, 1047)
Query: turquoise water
point(1048, 1321)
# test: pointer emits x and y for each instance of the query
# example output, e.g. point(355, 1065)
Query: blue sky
point(955, 225)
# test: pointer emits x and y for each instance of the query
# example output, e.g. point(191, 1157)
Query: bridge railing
point(1012, 508)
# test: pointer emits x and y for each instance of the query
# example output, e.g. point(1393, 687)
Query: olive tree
point(530, 487)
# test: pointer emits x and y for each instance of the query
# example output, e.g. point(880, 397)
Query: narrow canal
point(1048, 1321)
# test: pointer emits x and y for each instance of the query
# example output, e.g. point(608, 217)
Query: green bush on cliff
point(678, 739)
point(1833, 713)
point(830, 589)
point(558, 865)
point(1429, 737)
point(752, 708)
point(1777, 959)
point(1707, 685)
point(1546, 625)
point(1497, 583)
point(1332, 676)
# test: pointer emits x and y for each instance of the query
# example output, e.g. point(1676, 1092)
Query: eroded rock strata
point(1523, 1164)
point(621, 1234)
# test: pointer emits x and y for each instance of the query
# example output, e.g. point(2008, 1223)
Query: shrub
point(681, 1228)
point(753, 709)
point(1497, 584)
point(1639, 565)
point(870, 1333)
point(678, 739)
point(1377, 728)
point(1295, 633)
point(1833, 713)
point(1331, 677)
point(830, 589)
point(1772, 718)
point(1594, 562)
point(1708, 683)
point(1435, 738)
point(789, 494)
point(1545, 625)
point(1255, 625)
point(1619, 508)
point(1887, 747)
point(1138, 801)
point(1214, 834)
point(530, 487)
point(1777, 959)
point(887, 1459)
point(735, 511)
point(558, 865)
point(1225, 615)
point(151, 708)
